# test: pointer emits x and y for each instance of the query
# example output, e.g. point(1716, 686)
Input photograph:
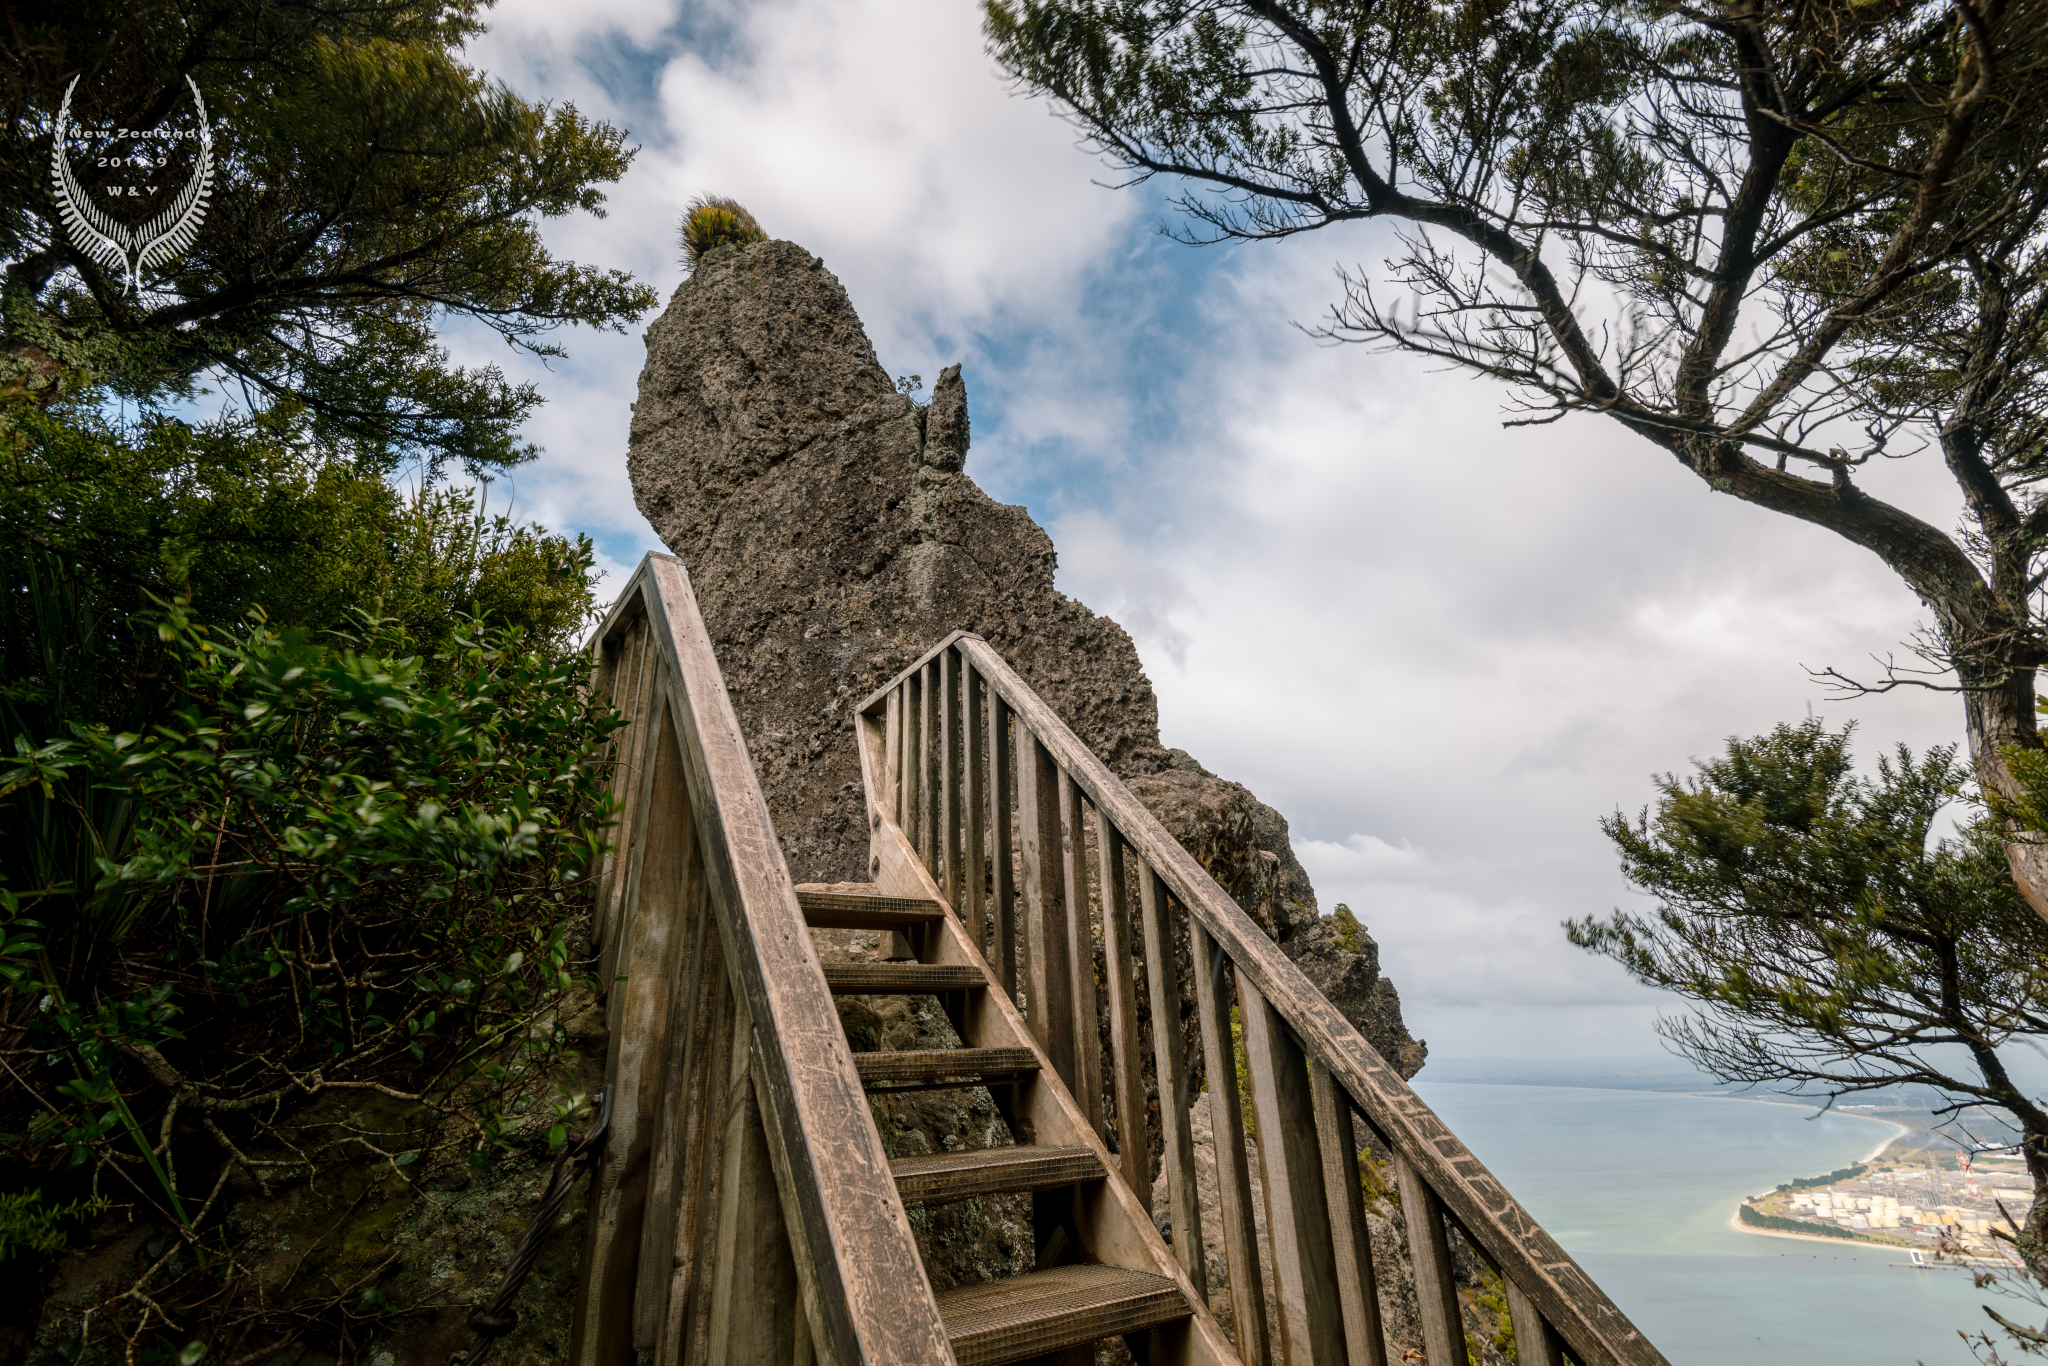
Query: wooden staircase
point(1061, 1303)
point(745, 1210)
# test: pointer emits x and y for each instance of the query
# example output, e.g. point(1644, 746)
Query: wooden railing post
point(1233, 1171)
point(671, 1182)
point(649, 944)
point(895, 737)
point(973, 781)
point(632, 829)
point(1170, 1065)
point(1429, 1248)
point(754, 1307)
point(1350, 1235)
point(913, 759)
point(928, 766)
point(1049, 995)
point(771, 1227)
point(1076, 924)
point(1297, 1212)
point(1002, 809)
point(630, 682)
point(950, 853)
point(699, 1106)
point(1536, 1342)
point(1590, 1327)
point(1309, 1069)
point(1118, 971)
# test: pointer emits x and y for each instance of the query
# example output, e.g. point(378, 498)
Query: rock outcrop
point(832, 535)
point(1342, 960)
point(832, 538)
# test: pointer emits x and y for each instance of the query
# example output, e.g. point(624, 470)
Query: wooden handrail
point(1309, 1067)
point(745, 1204)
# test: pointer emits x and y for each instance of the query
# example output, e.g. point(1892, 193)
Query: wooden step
point(941, 1177)
point(1045, 1311)
point(901, 979)
point(849, 911)
point(943, 1066)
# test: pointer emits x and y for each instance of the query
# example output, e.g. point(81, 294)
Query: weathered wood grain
point(673, 870)
point(928, 765)
point(624, 685)
point(1350, 1237)
point(940, 1177)
point(754, 1286)
point(686, 1314)
point(686, 1330)
point(1002, 809)
point(956, 1065)
point(633, 849)
point(950, 854)
point(1536, 1342)
point(893, 787)
point(899, 979)
point(1041, 1313)
point(649, 944)
point(973, 803)
point(825, 910)
point(1049, 994)
point(1127, 1069)
point(1114, 1222)
point(1079, 927)
point(1170, 1065)
point(1233, 1171)
point(1429, 1249)
point(1297, 1210)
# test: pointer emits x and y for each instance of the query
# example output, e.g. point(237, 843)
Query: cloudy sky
point(1442, 649)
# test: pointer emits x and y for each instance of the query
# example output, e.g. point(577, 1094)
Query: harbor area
point(1926, 1201)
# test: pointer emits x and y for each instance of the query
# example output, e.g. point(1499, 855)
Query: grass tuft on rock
point(713, 221)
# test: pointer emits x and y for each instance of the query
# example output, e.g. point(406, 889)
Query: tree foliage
point(371, 186)
point(301, 782)
point(102, 521)
point(330, 869)
point(1826, 938)
point(1776, 240)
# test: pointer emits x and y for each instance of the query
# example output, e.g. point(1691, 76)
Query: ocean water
point(1639, 1186)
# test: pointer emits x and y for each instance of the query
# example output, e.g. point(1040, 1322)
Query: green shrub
point(26, 1222)
point(301, 786)
point(333, 868)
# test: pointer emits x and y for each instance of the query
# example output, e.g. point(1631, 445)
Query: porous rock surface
point(830, 544)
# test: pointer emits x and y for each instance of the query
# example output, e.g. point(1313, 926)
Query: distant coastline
point(1899, 1131)
point(1735, 1222)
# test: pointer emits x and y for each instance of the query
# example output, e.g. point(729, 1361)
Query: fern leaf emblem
point(113, 244)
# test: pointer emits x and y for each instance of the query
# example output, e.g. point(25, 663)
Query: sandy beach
point(1899, 1131)
point(1735, 1222)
